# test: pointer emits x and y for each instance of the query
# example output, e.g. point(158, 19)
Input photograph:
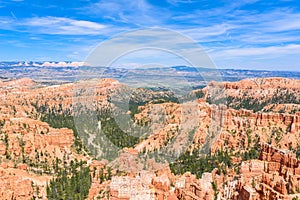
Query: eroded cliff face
point(254, 94)
point(274, 176)
point(235, 130)
point(30, 148)
point(282, 108)
point(18, 182)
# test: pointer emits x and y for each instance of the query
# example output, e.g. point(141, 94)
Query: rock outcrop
point(30, 147)
point(274, 176)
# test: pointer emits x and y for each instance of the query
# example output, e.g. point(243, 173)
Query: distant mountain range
point(44, 64)
point(59, 72)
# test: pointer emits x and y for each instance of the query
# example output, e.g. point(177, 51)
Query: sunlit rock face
point(28, 144)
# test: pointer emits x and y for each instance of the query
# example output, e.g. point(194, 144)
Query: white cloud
point(255, 52)
point(138, 13)
point(64, 26)
point(209, 33)
point(54, 26)
point(278, 20)
point(240, 29)
point(175, 2)
point(227, 31)
point(289, 22)
point(6, 23)
point(267, 39)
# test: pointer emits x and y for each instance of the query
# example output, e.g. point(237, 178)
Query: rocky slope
point(238, 153)
point(274, 176)
point(254, 94)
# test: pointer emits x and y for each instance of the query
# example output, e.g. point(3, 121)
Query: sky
point(243, 34)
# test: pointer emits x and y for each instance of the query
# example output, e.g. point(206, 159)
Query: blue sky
point(245, 34)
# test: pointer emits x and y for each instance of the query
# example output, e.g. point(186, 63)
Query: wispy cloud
point(54, 26)
point(274, 51)
point(133, 13)
point(217, 32)
point(245, 28)
point(176, 2)
point(64, 26)
point(240, 30)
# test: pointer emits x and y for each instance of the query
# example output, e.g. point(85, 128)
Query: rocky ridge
point(28, 145)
